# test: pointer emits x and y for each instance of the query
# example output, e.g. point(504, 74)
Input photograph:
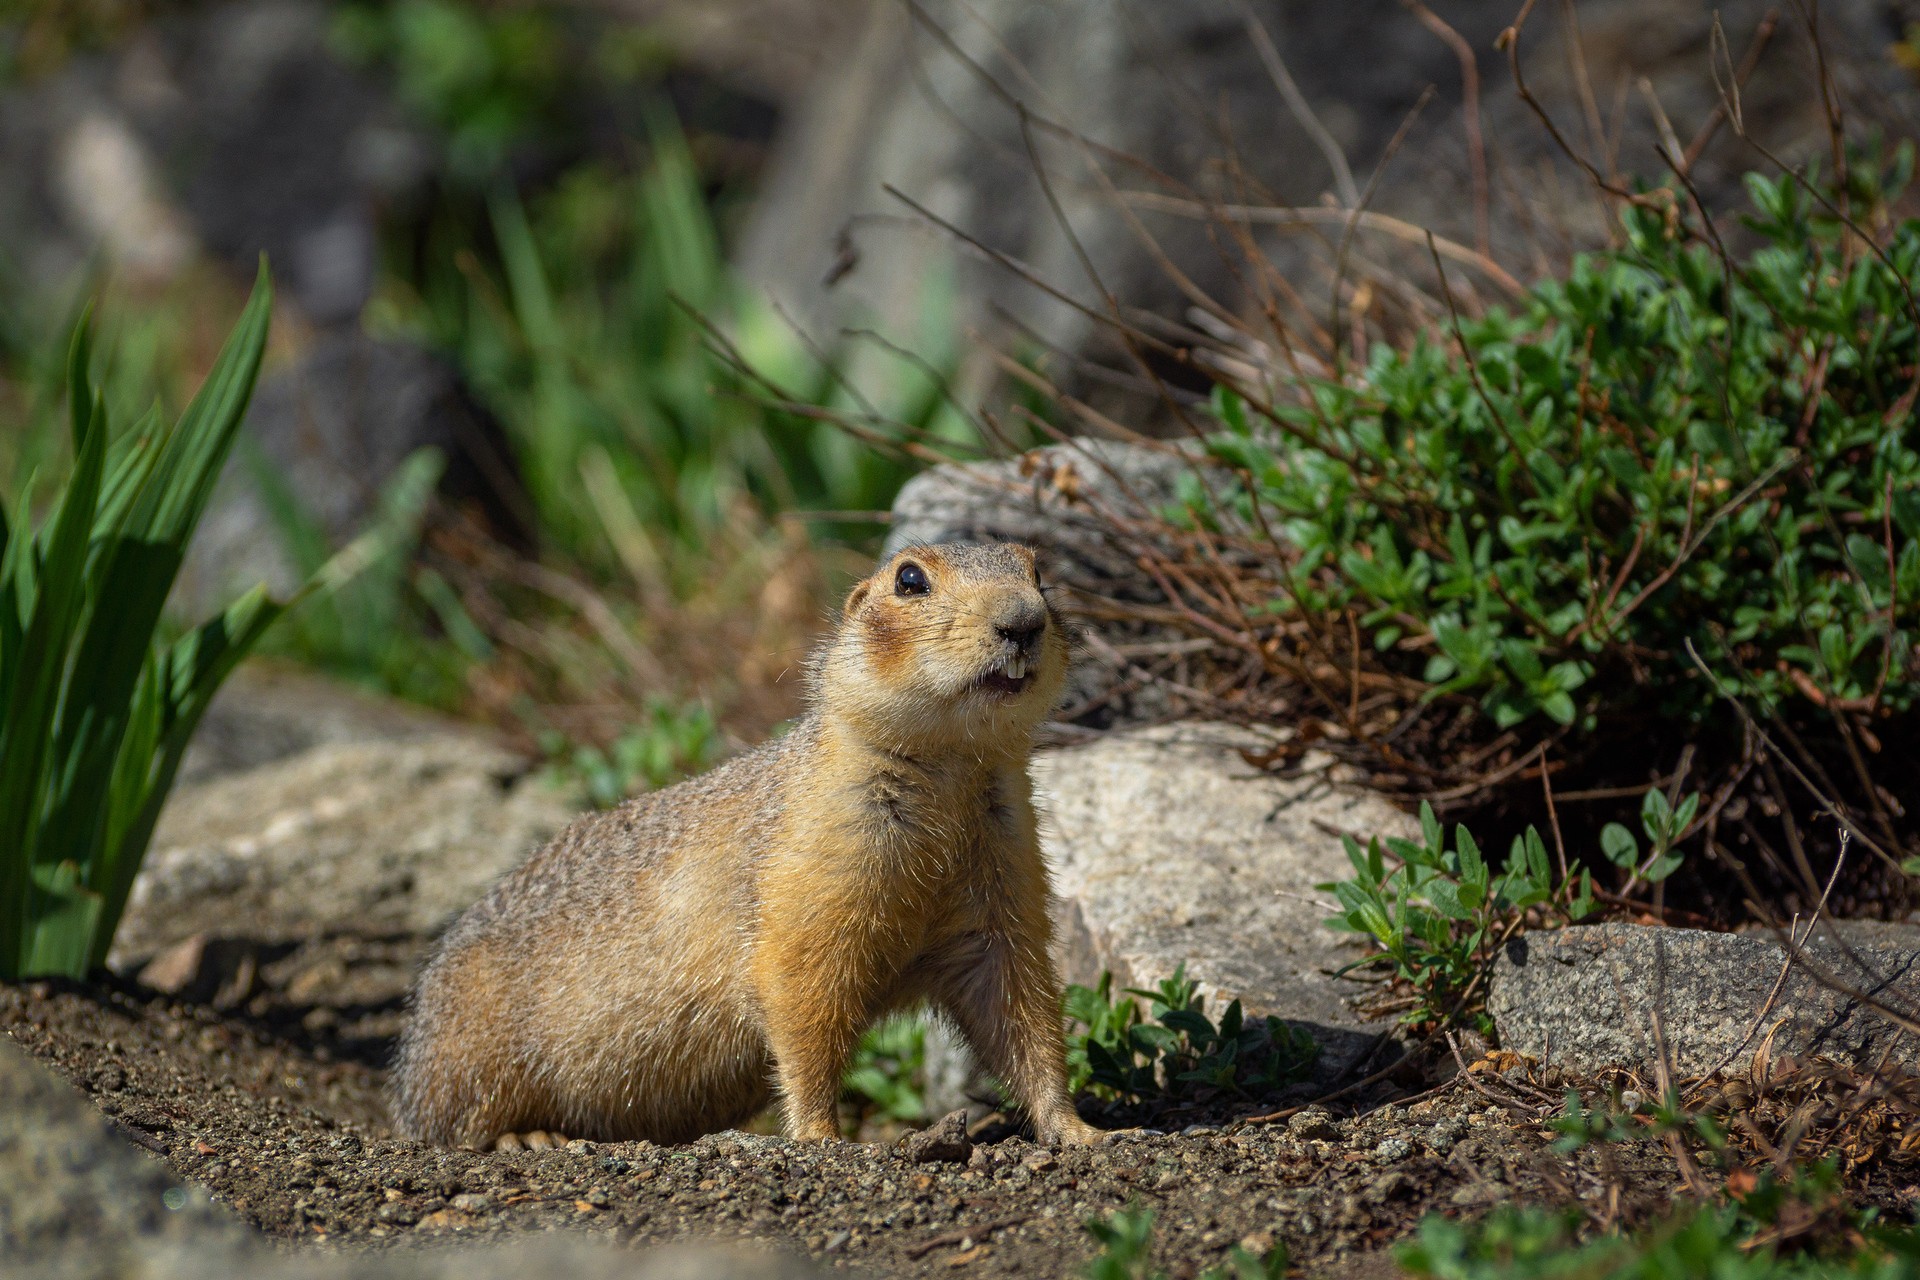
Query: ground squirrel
point(658, 969)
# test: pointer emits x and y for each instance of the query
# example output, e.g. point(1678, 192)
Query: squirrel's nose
point(1023, 630)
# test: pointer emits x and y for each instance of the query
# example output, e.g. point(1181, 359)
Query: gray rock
point(1587, 997)
point(1167, 848)
point(945, 1141)
point(1313, 1125)
point(76, 1200)
point(1068, 500)
point(372, 836)
point(333, 428)
point(285, 149)
point(268, 711)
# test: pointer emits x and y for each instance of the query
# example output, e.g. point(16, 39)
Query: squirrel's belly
point(666, 1065)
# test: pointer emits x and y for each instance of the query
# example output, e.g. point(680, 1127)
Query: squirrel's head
point(951, 642)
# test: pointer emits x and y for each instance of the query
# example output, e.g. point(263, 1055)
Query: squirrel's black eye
point(911, 581)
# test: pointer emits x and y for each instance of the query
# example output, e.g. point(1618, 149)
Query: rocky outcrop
point(76, 1200)
point(1611, 995)
point(234, 129)
point(1071, 501)
point(1167, 848)
point(268, 711)
point(373, 836)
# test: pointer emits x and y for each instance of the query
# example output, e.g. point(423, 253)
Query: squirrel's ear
point(856, 598)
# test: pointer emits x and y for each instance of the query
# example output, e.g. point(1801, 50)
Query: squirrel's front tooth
point(1016, 667)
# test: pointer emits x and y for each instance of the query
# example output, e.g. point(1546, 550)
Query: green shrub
point(1609, 1121)
point(1438, 914)
point(673, 743)
point(1540, 509)
point(498, 80)
point(887, 1077)
point(1534, 1243)
point(95, 706)
point(1174, 1051)
point(1126, 1248)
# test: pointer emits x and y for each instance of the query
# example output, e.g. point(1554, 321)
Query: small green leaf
point(1619, 844)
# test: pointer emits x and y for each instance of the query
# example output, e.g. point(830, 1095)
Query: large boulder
point(952, 104)
point(394, 836)
point(1610, 995)
point(76, 1200)
point(268, 711)
point(1086, 506)
point(1169, 849)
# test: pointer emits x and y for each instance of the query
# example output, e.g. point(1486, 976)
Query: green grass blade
point(65, 916)
point(186, 678)
point(80, 393)
point(531, 297)
point(130, 471)
point(133, 771)
point(680, 234)
point(17, 591)
point(135, 575)
point(36, 671)
point(190, 463)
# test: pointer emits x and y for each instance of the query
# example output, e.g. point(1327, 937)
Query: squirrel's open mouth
point(1009, 678)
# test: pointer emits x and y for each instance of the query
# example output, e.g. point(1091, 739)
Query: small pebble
point(1313, 1126)
point(1393, 1150)
point(471, 1202)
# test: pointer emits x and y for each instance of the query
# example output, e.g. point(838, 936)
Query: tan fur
point(658, 969)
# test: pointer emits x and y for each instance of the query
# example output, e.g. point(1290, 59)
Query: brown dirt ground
point(274, 1104)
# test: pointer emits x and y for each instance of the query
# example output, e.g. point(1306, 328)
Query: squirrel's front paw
point(532, 1140)
point(1071, 1131)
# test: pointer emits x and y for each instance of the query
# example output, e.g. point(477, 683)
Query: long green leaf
point(128, 474)
point(65, 915)
point(36, 674)
point(133, 578)
point(81, 402)
point(193, 670)
point(133, 771)
point(190, 465)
